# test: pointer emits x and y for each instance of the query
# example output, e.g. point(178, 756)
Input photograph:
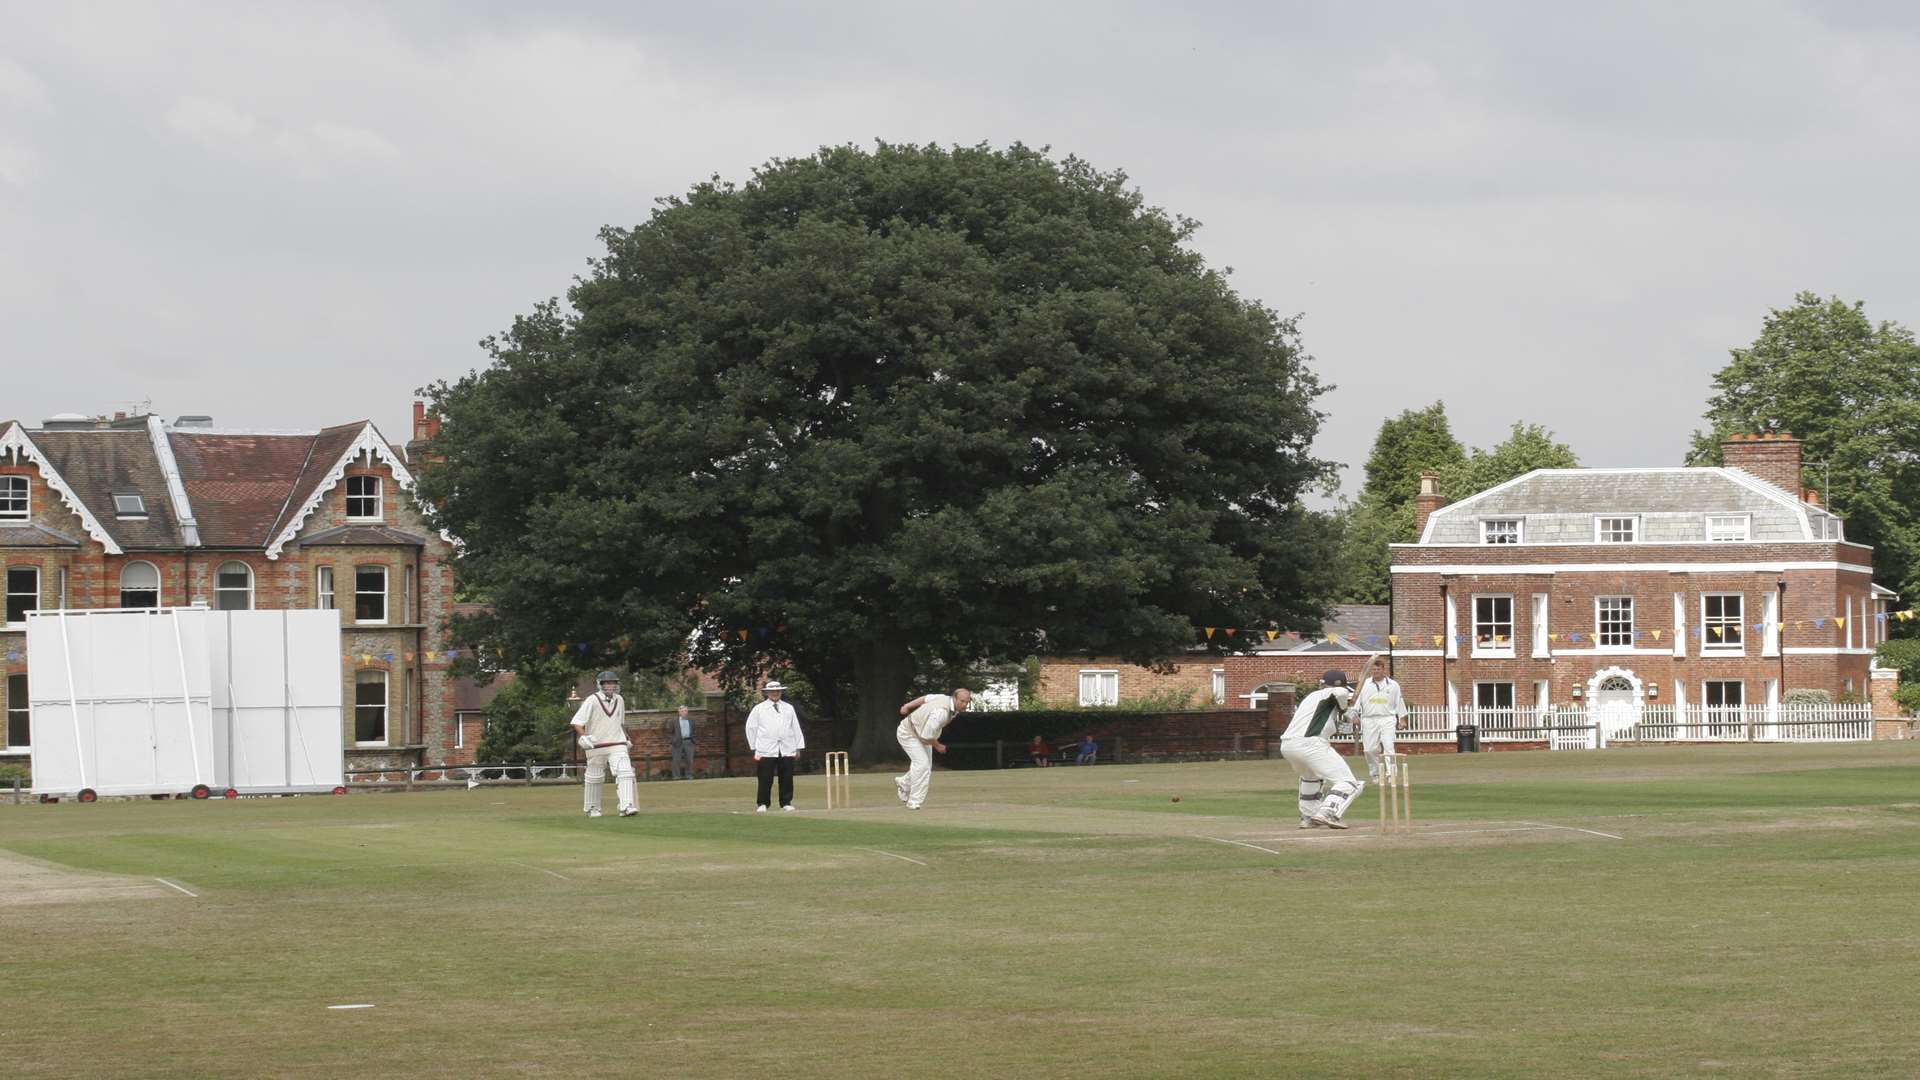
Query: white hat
point(773, 684)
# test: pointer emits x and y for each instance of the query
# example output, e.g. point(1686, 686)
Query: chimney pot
point(1773, 457)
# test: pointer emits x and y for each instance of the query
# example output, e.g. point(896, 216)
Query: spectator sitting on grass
point(1037, 752)
point(1087, 750)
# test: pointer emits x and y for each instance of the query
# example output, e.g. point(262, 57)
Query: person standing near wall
point(680, 734)
point(773, 733)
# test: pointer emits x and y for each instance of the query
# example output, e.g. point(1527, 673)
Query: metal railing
point(1568, 727)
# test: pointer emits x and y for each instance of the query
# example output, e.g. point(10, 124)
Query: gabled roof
point(365, 533)
point(240, 483)
point(100, 464)
point(333, 451)
point(17, 445)
point(34, 534)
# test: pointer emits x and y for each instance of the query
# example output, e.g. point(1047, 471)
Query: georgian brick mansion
point(1717, 586)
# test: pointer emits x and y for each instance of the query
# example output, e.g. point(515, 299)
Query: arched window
point(140, 585)
point(233, 587)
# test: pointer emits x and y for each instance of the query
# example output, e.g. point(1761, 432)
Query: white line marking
point(181, 888)
point(1570, 828)
point(1237, 843)
point(891, 855)
point(528, 866)
point(349, 1006)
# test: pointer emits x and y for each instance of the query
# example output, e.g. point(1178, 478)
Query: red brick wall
point(1059, 682)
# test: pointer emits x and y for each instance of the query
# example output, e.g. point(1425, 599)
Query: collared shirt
point(604, 719)
point(1379, 699)
point(1314, 717)
point(686, 728)
point(930, 719)
point(773, 730)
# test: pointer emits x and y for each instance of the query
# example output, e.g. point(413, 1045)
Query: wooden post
point(999, 753)
point(1236, 744)
point(1118, 749)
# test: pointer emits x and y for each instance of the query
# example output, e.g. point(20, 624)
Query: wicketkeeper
point(600, 727)
point(919, 735)
point(1380, 709)
point(1306, 747)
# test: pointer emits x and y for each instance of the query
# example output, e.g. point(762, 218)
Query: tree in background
point(1850, 389)
point(1408, 444)
point(528, 720)
point(875, 411)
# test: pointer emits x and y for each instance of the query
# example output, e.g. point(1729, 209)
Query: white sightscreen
point(121, 700)
point(276, 699)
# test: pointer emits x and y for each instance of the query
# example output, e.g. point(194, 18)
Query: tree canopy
point(873, 411)
point(1850, 389)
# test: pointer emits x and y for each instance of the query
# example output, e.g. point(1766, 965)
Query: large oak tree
point(871, 412)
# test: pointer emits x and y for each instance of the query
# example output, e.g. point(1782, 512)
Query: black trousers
point(765, 769)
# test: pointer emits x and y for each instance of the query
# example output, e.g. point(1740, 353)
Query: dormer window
point(363, 498)
point(1500, 530)
point(129, 506)
point(13, 499)
point(1728, 527)
point(1616, 530)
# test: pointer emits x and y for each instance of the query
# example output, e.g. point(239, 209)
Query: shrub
point(1807, 696)
point(10, 773)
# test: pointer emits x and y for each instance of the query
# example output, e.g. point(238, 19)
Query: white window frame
point(1718, 646)
point(323, 585)
point(16, 488)
point(459, 731)
point(1490, 648)
point(377, 514)
point(23, 706)
point(1487, 533)
point(1745, 529)
point(1770, 638)
point(37, 584)
point(1722, 709)
point(1102, 677)
point(358, 592)
point(1599, 528)
point(159, 585)
point(386, 711)
point(1219, 686)
point(1599, 611)
point(138, 512)
point(218, 588)
point(1508, 711)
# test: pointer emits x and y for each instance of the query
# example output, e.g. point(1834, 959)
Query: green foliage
point(888, 409)
point(653, 690)
point(528, 719)
point(10, 772)
point(1806, 696)
point(1850, 388)
point(1385, 513)
point(1903, 655)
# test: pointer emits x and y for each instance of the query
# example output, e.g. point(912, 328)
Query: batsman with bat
point(600, 727)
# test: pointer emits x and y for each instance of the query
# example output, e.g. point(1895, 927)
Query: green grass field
point(1755, 917)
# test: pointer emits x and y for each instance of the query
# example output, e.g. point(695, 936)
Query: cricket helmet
point(1335, 677)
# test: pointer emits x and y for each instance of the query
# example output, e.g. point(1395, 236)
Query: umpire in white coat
point(600, 727)
point(1381, 709)
point(773, 733)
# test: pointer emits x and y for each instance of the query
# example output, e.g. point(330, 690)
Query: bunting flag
point(1819, 624)
point(743, 634)
point(1553, 637)
point(540, 649)
point(409, 657)
point(1373, 639)
point(1393, 639)
point(1840, 621)
point(624, 642)
point(1655, 633)
point(1329, 638)
point(1209, 633)
point(1436, 641)
point(387, 656)
point(1231, 631)
point(1716, 632)
point(1575, 636)
point(1271, 634)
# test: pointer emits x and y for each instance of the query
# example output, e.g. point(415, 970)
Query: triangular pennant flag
point(1819, 624)
point(1655, 633)
point(1271, 634)
point(1553, 637)
point(743, 632)
point(409, 657)
point(1573, 636)
point(1840, 621)
point(1231, 631)
point(541, 649)
point(1393, 639)
point(1436, 641)
point(1329, 638)
point(1373, 639)
point(1210, 633)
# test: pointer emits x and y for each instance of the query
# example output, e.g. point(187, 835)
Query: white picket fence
point(1573, 727)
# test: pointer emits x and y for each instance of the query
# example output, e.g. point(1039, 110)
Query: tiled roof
point(327, 447)
point(1559, 506)
point(239, 484)
point(1357, 620)
point(101, 463)
point(368, 534)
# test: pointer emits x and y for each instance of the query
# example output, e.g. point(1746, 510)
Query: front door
point(1614, 707)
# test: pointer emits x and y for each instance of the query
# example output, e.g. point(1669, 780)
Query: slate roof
point(34, 534)
point(366, 534)
point(101, 463)
point(1559, 506)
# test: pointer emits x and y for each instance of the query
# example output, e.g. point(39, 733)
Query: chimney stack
point(1773, 457)
point(1425, 503)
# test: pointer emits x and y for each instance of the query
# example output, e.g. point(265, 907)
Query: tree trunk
point(882, 674)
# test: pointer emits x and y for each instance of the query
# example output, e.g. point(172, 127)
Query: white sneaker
point(593, 813)
point(900, 787)
point(1305, 824)
point(787, 809)
point(759, 809)
point(913, 806)
point(1329, 822)
point(630, 811)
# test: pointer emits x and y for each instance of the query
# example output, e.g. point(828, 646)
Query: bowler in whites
point(919, 735)
point(1380, 709)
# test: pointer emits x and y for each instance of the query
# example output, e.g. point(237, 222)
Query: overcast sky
point(291, 216)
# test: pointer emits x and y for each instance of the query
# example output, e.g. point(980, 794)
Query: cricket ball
point(1176, 798)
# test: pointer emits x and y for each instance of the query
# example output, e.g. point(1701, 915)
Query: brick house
point(1200, 679)
point(138, 513)
point(1625, 588)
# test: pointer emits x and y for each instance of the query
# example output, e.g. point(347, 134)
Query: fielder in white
point(600, 727)
point(1380, 709)
point(919, 734)
point(1305, 746)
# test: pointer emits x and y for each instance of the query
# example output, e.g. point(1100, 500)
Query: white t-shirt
point(1313, 718)
point(604, 719)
